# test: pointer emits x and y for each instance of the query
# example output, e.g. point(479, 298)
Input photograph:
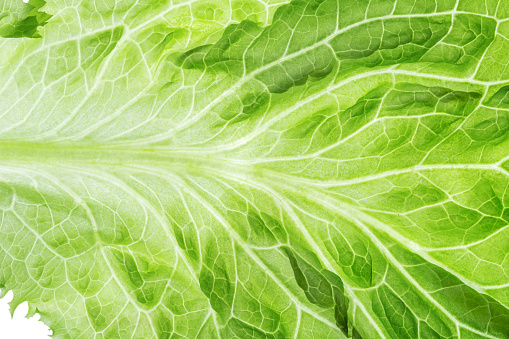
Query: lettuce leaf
point(256, 169)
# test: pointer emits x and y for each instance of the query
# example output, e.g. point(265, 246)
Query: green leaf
point(19, 19)
point(256, 169)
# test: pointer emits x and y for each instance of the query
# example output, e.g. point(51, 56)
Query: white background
point(20, 327)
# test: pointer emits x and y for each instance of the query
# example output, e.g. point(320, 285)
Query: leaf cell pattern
point(256, 168)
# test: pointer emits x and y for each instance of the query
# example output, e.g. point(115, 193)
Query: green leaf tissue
point(256, 168)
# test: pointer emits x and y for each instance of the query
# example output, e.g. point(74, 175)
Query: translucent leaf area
point(256, 168)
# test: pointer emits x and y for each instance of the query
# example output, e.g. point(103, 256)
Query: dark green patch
point(21, 20)
point(321, 287)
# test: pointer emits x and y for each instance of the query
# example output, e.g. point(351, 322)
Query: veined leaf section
point(338, 170)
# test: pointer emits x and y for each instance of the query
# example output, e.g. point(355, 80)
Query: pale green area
point(257, 169)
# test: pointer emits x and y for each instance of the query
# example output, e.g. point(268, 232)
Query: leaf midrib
point(71, 153)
